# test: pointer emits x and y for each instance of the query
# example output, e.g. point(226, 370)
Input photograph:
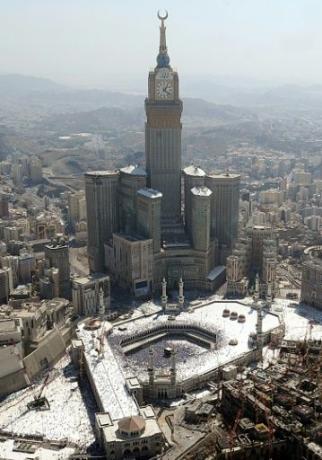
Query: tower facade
point(193, 177)
point(163, 133)
point(149, 215)
point(101, 189)
point(200, 217)
point(225, 207)
point(132, 179)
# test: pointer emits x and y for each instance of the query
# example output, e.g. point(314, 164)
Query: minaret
point(181, 296)
point(101, 308)
point(164, 297)
point(259, 331)
point(151, 367)
point(257, 286)
point(173, 370)
point(163, 133)
point(269, 294)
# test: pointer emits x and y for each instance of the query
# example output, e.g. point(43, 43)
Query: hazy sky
point(113, 43)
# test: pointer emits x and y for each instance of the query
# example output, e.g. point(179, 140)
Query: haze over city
point(108, 44)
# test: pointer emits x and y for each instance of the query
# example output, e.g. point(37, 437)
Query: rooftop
point(201, 191)
point(134, 170)
point(107, 375)
point(224, 176)
point(68, 416)
point(7, 325)
point(194, 171)
point(132, 424)
point(132, 238)
point(150, 193)
point(101, 173)
point(89, 278)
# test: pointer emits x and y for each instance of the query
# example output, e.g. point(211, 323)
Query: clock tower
point(163, 133)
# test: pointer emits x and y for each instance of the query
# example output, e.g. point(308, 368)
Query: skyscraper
point(101, 189)
point(163, 132)
point(57, 254)
point(225, 207)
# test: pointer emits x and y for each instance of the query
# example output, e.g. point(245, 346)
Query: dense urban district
point(160, 294)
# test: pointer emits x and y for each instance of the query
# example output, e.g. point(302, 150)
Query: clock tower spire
point(163, 58)
point(163, 132)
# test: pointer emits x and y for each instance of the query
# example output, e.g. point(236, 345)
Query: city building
point(5, 284)
point(101, 188)
point(76, 206)
point(254, 255)
point(12, 373)
point(87, 293)
point(311, 288)
point(136, 436)
point(35, 170)
point(225, 209)
point(57, 255)
point(4, 206)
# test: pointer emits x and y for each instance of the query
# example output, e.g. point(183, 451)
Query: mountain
point(43, 95)
point(94, 121)
point(23, 84)
point(196, 112)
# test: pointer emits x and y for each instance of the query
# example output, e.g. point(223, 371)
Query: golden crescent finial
point(162, 18)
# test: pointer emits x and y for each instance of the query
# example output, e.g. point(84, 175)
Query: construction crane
point(40, 402)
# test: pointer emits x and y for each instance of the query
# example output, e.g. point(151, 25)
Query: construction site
point(219, 380)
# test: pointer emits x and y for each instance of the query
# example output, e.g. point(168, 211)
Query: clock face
point(164, 74)
point(164, 89)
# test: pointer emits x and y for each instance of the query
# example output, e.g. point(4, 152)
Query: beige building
point(46, 225)
point(130, 260)
point(254, 254)
point(86, 292)
point(301, 177)
point(136, 436)
point(33, 336)
point(272, 197)
point(38, 317)
point(12, 371)
point(76, 206)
